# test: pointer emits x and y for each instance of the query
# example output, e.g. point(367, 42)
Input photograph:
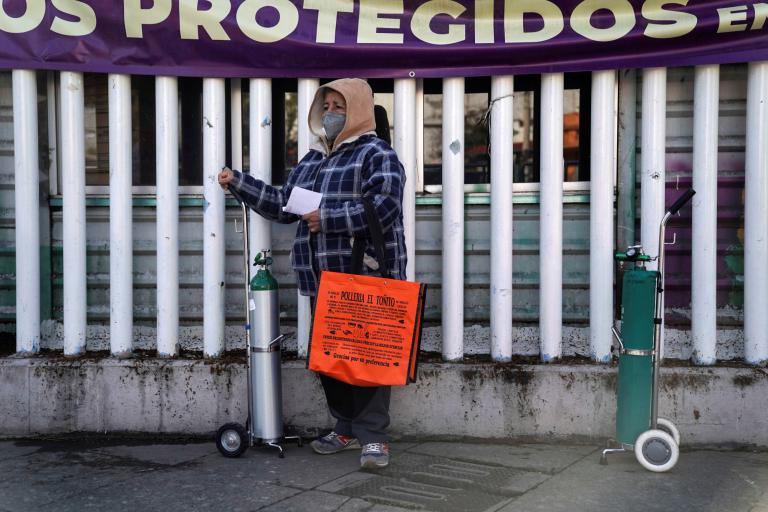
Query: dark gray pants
point(360, 412)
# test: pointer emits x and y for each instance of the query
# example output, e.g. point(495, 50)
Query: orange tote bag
point(367, 330)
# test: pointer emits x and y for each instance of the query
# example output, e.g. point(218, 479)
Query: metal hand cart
point(655, 441)
point(264, 424)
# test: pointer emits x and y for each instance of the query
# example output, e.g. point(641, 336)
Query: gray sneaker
point(375, 455)
point(333, 443)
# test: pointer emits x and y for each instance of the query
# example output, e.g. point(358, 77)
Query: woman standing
point(346, 163)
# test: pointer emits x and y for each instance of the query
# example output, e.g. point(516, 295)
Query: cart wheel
point(670, 428)
point(656, 451)
point(231, 440)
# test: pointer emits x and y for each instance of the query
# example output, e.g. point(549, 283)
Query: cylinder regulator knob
point(263, 259)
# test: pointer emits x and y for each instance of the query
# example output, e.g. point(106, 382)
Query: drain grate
point(424, 482)
point(418, 496)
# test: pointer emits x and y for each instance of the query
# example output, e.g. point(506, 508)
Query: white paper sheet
point(302, 201)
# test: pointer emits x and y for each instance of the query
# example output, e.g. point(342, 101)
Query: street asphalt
point(120, 474)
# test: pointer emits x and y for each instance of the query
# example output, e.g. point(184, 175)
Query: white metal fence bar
point(755, 217)
point(405, 145)
point(704, 243)
point(603, 162)
point(120, 216)
point(27, 211)
point(453, 219)
point(502, 168)
point(652, 158)
point(214, 117)
point(306, 93)
point(652, 162)
point(73, 208)
point(167, 176)
point(236, 123)
point(260, 123)
point(551, 218)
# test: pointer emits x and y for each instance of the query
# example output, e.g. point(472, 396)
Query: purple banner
point(376, 38)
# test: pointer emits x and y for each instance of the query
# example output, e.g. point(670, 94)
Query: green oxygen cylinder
point(635, 386)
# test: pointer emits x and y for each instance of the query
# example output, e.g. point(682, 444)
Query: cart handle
point(687, 195)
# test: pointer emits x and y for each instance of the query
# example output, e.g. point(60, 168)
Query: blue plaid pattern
point(365, 167)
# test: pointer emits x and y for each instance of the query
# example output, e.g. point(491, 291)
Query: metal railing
point(408, 143)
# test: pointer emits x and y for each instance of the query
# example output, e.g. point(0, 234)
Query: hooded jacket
point(360, 117)
point(358, 165)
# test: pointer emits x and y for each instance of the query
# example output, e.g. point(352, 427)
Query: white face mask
point(333, 123)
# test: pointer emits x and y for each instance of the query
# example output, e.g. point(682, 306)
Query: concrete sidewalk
point(145, 475)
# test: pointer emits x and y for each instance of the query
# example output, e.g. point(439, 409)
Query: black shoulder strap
point(358, 248)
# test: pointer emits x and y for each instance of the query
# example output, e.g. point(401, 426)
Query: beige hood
point(359, 97)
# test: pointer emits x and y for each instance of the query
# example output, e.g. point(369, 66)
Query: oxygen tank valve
point(633, 253)
point(263, 258)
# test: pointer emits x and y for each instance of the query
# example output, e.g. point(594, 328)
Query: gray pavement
point(145, 475)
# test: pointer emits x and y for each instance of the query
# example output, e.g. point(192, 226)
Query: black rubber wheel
point(232, 440)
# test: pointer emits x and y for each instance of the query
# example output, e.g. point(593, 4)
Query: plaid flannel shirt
point(364, 167)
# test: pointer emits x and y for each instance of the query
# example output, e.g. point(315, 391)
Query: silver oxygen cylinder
point(266, 384)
